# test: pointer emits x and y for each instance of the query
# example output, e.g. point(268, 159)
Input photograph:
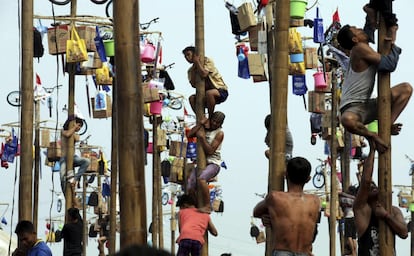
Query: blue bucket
point(296, 57)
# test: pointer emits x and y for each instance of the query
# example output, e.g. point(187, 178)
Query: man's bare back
point(293, 216)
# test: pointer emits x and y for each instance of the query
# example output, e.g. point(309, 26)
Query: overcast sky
point(247, 105)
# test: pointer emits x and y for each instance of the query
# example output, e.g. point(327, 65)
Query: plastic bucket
point(298, 8)
point(156, 107)
point(319, 80)
point(147, 54)
point(296, 57)
point(109, 46)
point(373, 126)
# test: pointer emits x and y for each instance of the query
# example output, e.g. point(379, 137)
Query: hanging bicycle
point(60, 2)
point(318, 178)
point(14, 98)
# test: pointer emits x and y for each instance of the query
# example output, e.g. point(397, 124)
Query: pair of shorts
point(287, 253)
point(188, 246)
point(223, 95)
point(367, 111)
point(350, 229)
point(207, 174)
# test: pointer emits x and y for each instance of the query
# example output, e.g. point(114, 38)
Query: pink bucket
point(320, 82)
point(147, 54)
point(156, 107)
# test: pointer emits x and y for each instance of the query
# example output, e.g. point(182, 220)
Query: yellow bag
point(102, 75)
point(295, 41)
point(75, 48)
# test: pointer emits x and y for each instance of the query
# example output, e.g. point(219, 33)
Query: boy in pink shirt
point(192, 226)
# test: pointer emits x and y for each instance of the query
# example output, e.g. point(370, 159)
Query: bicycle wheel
point(84, 128)
point(60, 2)
point(99, 1)
point(109, 9)
point(14, 98)
point(175, 104)
point(318, 179)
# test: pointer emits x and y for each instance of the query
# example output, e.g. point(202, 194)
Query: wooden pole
point(278, 100)
point(160, 212)
point(26, 116)
point(114, 174)
point(84, 213)
point(36, 165)
point(155, 196)
point(386, 236)
point(130, 125)
point(334, 179)
point(70, 150)
point(411, 230)
point(200, 96)
point(173, 222)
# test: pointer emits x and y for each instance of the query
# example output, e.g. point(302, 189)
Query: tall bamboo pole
point(130, 125)
point(70, 150)
point(155, 197)
point(85, 223)
point(278, 95)
point(26, 116)
point(386, 236)
point(36, 165)
point(334, 186)
point(114, 174)
point(412, 218)
point(200, 96)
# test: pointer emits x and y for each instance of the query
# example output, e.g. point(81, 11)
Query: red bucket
point(156, 107)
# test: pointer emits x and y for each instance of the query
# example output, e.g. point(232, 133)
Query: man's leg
point(211, 100)
point(207, 174)
point(351, 121)
point(400, 95)
point(82, 163)
point(192, 100)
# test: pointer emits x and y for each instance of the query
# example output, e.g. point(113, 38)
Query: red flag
point(335, 16)
point(160, 55)
point(185, 112)
point(38, 79)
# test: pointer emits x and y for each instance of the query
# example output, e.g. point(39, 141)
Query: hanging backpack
point(93, 199)
point(38, 49)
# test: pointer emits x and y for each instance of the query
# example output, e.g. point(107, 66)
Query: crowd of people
point(291, 215)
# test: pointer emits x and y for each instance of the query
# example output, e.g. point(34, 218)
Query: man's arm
point(395, 220)
point(211, 228)
point(361, 208)
point(260, 209)
point(200, 68)
point(68, 133)
point(209, 149)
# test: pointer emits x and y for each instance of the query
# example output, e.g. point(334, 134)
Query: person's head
point(185, 201)
point(136, 249)
point(352, 190)
point(78, 120)
point(189, 52)
point(298, 170)
point(26, 233)
point(216, 120)
point(348, 36)
point(73, 214)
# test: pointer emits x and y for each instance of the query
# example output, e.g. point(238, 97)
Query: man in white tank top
point(210, 138)
point(357, 107)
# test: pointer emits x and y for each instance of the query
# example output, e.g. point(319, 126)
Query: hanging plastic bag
point(100, 100)
point(243, 68)
point(10, 148)
point(100, 49)
point(102, 75)
point(76, 48)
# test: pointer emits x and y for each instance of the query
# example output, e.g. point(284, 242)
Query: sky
point(246, 107)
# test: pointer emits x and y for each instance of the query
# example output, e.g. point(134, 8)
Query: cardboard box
point(150, 94)
point(316, 102)
point(93, 157)
point(88, 33)
point(102, 113)
point(54, 151)
point(311, 58)
point(177, 150)
point(56, 39)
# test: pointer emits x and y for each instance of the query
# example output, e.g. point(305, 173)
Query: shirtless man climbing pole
point(357, 107)
point(293, 214)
